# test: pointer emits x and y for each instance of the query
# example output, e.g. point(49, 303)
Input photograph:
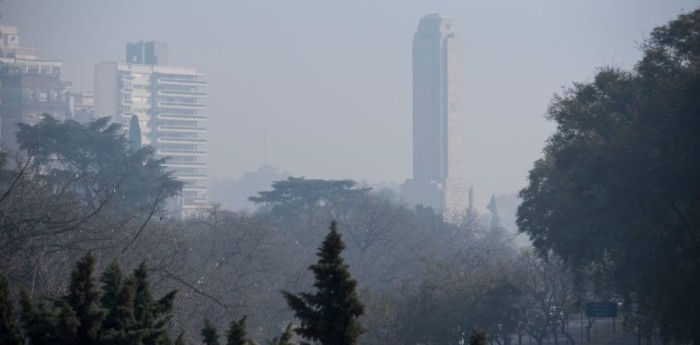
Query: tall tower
point(438, 179)
point(168, 103)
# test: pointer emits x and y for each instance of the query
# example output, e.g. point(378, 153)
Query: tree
point(238, 333)
point(617, 188)
point(84, 299)
point(329, 316)
point(9, 332)
point(87, 316)
point(134, 133)
point(548, 296)
point(209, 333)
point(151, 316)
point(118, 327)
point(96, 158)
point(500, 309)
point(297, 194)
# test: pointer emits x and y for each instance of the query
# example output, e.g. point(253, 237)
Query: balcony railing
point(178, 81)
point(181, 129)
point(169, 116)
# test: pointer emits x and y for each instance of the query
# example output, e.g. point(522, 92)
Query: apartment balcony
point(192, 94)
point(184, 177)
point(181, 129)
point(181, 105)
point(181, 141)
point(166, 152)
point(170, 116)
point(180, 81)
point(189, 187)
point(171, 164)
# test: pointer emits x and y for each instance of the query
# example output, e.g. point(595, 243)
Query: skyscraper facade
point(438, 177)
point(169, 104)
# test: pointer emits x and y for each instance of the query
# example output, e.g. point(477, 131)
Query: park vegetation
point(612, 210)
point(616, 195)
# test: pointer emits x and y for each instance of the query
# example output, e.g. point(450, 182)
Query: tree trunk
point(567, 335)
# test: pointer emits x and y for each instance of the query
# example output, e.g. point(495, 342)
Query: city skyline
point(306, 73)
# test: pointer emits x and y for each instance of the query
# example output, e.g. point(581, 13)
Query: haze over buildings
point(169, 104)
point(29, 86)
point(315, 76)
point(438, 176)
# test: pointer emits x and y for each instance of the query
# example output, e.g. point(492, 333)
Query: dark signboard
point(601, 309)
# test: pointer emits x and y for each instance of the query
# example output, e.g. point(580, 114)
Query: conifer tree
point(67, 326)
point(329, 316)
point(238, 333)
point(118, 298)
point(84, 298)
point(209, 334)
point(50, 322)
point(9, 332)
point(125, 314)
point(151, 316)
point(134, 133)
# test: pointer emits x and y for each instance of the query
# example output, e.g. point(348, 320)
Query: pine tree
point(126, 314)
point(118, 300)
point(52, 321)
point(238, 333)
point(84, 298)
point(134, 133)
point(151, 316)
point(209, 334)
point(67, 326)
point(330, 316)
point(9, 332)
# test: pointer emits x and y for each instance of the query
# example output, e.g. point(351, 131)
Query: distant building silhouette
point(493, 208)
point(168, 103)
point(147, 53)
point(29, 87)
point(438, 179)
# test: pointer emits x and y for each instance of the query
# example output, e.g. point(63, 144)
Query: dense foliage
point(122, 311)
point(617, 191)
point(96, 160)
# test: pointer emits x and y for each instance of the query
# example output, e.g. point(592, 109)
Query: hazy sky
point(329, 82)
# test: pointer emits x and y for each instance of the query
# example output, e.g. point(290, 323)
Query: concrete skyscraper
point(168, 102)
point(438, 178)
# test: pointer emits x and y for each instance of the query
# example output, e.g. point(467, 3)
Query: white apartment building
point(169, 104)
